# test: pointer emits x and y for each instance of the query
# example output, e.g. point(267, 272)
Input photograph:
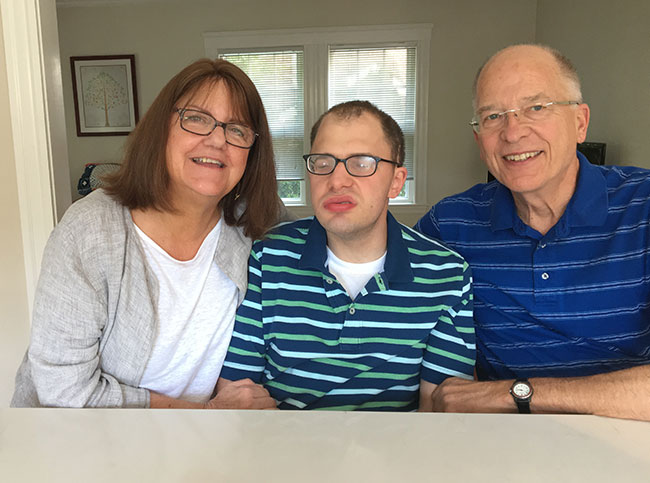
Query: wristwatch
point(522, 392)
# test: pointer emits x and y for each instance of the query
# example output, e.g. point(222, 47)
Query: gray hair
point(567, 69)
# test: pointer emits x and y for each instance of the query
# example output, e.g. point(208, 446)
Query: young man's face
point(348, 207)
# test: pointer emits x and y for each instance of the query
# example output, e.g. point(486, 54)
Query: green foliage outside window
point(289, 189)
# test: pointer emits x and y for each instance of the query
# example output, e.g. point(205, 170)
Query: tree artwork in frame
point(105, 99)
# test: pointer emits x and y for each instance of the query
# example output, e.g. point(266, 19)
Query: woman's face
point(203, 169)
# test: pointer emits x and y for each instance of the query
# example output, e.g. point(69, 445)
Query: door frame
point(33, 64)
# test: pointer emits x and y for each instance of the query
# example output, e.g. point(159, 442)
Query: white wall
point(167, 36)
point(14, 323)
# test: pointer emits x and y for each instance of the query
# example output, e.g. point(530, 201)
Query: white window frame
point(315, 43)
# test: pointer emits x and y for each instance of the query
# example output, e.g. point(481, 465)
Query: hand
point(242, 394)
point(455, 395)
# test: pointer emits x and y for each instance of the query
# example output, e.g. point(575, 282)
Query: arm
point(428, 224)
point(244, 394)
point(451, 348)
point(245, 358)
point(426, 392)
point(621, 394)
point(160, 401)
point(70, 316)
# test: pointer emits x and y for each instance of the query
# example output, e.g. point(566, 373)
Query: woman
point(140, 281)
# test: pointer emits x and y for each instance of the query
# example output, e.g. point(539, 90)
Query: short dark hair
point(353, 109)
point(143, 180)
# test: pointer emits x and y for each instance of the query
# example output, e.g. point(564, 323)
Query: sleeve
point(246, 355)
point(451, 347)
point(70, 315)
point(428, 224)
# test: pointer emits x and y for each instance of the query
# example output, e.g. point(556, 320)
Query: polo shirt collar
point(397, 266)
point(587, 207)
point(503, 214)
point(589, 204)
point(314, 252)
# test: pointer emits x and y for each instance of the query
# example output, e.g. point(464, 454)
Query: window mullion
point(423, 55)
point(315, 65)
point(316, 58)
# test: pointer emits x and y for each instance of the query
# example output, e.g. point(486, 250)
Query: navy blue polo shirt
point(573, 302)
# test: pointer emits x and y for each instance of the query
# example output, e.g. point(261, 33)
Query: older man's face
point(533, 159)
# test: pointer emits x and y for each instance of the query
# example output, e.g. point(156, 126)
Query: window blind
point(384, 76)
point(278, 76)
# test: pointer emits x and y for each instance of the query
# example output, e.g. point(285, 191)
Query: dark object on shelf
point(594, 152)
point(91, 178)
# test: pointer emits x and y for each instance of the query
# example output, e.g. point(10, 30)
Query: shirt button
point(545, 276)
point(542, 245)
point(329, 281)
point(352, 310)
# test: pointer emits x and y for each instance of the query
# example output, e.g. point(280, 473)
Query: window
point(300, 73)
point(278, 76)
point(386, 77)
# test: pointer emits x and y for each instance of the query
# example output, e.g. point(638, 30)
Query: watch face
point(521, 390)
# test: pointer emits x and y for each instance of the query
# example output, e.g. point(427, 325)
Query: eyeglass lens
point(491, 120)
point(355, 165)
point(203, 124)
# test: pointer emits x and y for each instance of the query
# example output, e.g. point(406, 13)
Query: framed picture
point(105, 99)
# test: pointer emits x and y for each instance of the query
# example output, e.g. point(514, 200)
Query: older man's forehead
point(522, 101)
point(539, 79)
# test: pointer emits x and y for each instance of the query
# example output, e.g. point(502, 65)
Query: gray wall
point(609, 42)
point(167, 36)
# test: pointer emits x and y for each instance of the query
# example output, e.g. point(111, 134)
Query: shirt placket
point(544, 277)
point(347, 311)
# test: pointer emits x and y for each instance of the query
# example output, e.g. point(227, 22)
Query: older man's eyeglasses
point(489, 120)
point(359, 165)
point(202, 123)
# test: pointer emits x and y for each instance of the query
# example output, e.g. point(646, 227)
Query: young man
point(350, 309)
point(559, 249)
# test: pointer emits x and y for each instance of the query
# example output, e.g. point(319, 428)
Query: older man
point(350, 309)
point(559, 249)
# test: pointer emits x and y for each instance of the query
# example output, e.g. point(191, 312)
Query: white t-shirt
point(353, 276)
point(196, 313)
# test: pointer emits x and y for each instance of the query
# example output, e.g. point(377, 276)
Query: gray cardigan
point(95, 309)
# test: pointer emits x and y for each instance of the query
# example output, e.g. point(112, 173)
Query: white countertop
point(115, 445)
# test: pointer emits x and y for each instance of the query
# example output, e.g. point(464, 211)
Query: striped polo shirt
point(299, 333)
point(573, 302)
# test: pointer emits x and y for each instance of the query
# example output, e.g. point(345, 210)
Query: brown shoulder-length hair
point(143, 180)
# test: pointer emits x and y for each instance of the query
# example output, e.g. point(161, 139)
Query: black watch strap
point(523, 406)
point(522, 392)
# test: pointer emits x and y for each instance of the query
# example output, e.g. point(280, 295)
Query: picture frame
point(105, 96)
